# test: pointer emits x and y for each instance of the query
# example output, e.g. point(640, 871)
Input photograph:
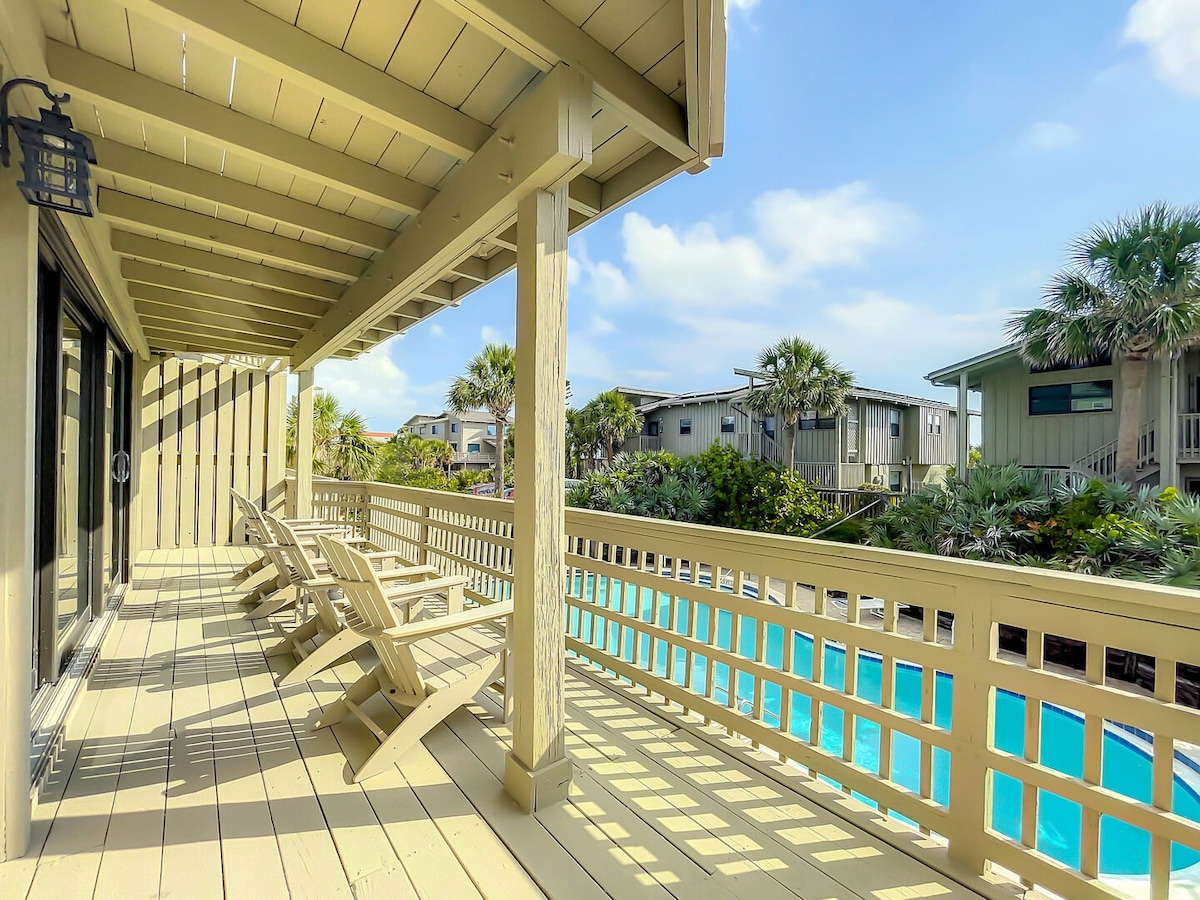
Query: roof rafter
point(274, 45)
point(542, 36)
point(129, 162)
point(205, 286)
point(140, 247)
point(182, 223)
point(107, 83)
point(544, 143)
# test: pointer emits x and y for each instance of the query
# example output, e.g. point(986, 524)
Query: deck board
point(186, 772)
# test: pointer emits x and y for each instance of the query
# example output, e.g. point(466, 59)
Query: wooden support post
point(304, 446)
point(964, 426)
point(537, 773)
point(18, 349)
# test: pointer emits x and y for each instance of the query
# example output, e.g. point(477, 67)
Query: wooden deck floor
point(187, 773)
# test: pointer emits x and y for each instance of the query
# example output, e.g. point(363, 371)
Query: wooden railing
point(1103, 460)
point(820, 474)
point(882, 673)
point(1189, 436)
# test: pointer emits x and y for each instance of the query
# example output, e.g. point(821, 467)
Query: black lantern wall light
point(56, 158)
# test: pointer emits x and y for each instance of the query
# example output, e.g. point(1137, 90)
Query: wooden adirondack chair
point(259, 579)
point(423, 694)
point(406, 587)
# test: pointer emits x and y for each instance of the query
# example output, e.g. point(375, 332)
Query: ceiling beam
point(542, 36)
point(193, 226)
point(546, 141)
point(198, 338)
point(276, 46)
point(167, 315)
point(472, 268)
point(129, 162)
point(438, 292)
point(206, 286)
point(97, 80)
point(141, 247)
point(217, 305)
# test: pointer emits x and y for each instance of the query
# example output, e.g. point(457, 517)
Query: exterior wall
point(204, 429)
point(876, 446)
point(469, 432)
point(706, 425)
point(1011, 434)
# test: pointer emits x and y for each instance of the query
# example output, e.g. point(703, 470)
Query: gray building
point(884, 438)
point(1064, 417)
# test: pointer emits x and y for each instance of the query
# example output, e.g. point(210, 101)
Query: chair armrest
point(423, 588)
point(319, 583)
point(407, 572)
point(383, 554)
point(442, 624)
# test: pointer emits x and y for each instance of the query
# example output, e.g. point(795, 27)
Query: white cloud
point(490, 335)
point(436, 330)
point(372, 384)
point(1047, 137)
point(744, 5)
point(1170, 29)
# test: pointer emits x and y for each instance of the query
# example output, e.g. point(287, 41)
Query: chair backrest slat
point(365, 592)
point(303, 561)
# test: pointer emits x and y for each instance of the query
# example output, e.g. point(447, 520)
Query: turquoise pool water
point(1124, 849)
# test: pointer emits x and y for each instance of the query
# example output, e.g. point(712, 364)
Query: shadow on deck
point(186, 773)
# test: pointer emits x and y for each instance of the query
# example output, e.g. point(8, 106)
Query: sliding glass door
point(83, 468)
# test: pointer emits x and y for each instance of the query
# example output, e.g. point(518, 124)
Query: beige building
point(883, 438)
point(471, 435)
point(1065, 419)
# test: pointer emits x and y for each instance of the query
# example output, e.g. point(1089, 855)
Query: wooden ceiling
point(260, 161)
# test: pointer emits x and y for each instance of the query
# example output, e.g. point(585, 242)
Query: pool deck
point(185, 772)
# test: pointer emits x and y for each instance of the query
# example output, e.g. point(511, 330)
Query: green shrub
point(654, 484)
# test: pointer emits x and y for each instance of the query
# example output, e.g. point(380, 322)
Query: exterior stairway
point(1102, 462)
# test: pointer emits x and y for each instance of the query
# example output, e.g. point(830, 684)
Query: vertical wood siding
point(207, 428)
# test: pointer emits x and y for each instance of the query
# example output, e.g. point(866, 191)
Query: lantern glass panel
point(55, 163)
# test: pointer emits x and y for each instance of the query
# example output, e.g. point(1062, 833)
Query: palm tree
point(799, 376)
point(341, 448)
point(582, 440)
point(488, 383)
point(1132, 292)
point(613, 419)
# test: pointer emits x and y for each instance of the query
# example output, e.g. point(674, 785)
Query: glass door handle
point(120, 467)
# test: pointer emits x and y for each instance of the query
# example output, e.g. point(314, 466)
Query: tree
point(799, 376)
point(341, 448)
point(582, 440)
point(1130, 291)
point(613, 419)
point(489, 383)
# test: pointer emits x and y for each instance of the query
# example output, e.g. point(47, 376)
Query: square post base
point(538, 790)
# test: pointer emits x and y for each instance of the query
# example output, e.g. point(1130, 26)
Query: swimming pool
point(1124, 849)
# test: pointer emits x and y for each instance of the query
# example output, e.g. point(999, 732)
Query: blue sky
point(896, 179)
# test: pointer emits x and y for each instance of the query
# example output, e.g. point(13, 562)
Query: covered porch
point(185, 772)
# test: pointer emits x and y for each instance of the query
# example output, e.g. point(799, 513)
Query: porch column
point(304, 445)
point(537, 773)
point(1166, 437)
point(964, 426)
point(18, 348)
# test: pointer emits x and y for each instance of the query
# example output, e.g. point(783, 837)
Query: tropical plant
point(1008, 514)
point(582, 441)
point(489, 383)
point(753, 495)
point(798, 376)
point(408, 452)
point(612, 418)
point(1131, 291)
point(341, 448)
point(657, 485)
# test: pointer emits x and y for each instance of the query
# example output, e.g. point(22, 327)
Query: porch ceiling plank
point(90, 78)
point(538, 33)
point(268, 277)
point(544, 143)
point(242, 29)
point(439, 292)
point(472, 268)
point(200, 340)
point(165, 219)
point(137, 272)
point(181, 300)
point(130, 162)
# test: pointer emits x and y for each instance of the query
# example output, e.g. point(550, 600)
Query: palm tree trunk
point(498, 476)
point(610, 452)
point(789, 445)
point(1129, 415)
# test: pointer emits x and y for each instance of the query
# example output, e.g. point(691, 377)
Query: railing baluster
point(1093, 754)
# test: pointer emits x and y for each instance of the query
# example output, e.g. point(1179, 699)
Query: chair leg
point(250, 568)
point(358, 693)
point(345, 641)
point(423, 719)
point(296, 637)
point(281, 599)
